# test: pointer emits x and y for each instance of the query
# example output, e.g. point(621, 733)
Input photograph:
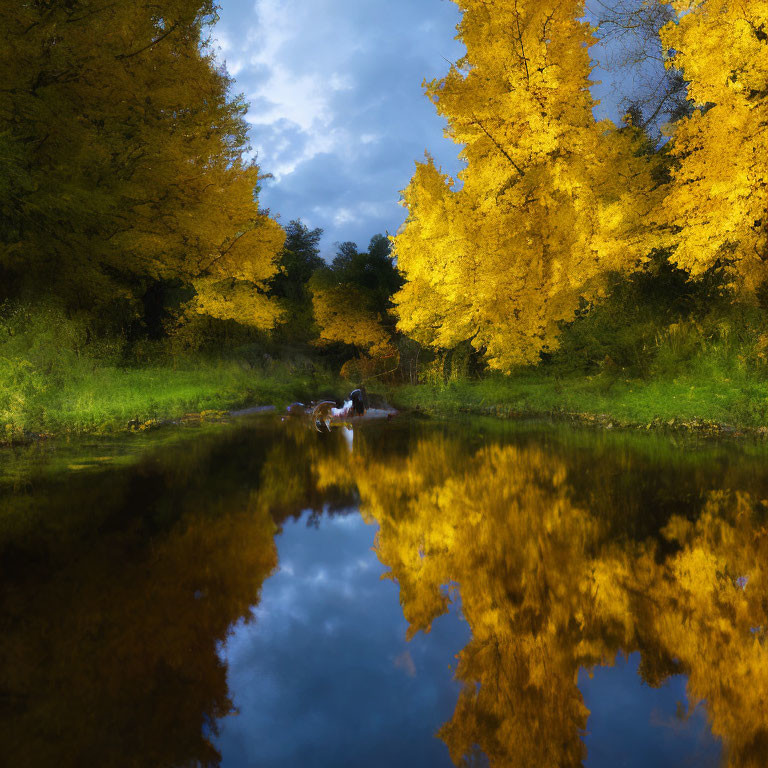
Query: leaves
point(715, 210)
point(122, 155)
point(550, 199)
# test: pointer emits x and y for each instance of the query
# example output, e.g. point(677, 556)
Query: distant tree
point(631, 50)
point(298, 261)
point(352, 297)
point(373, 270)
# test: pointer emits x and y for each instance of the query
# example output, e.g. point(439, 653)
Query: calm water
point(412, 594)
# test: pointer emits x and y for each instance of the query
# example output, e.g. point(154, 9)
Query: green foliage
point(57, 376)
point(458, 364)
point(650, 322)
point(698, 400)
point(372, 270)
point(299, 259)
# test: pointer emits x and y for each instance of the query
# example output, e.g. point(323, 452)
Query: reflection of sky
point(634, 725)
point(323, 675)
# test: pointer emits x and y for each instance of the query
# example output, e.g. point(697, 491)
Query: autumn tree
point(549, 198)
point(351, 297)
point(716, 208)
point(122, 161)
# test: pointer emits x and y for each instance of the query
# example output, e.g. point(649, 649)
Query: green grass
point(104, 399)
point(56, 379)
point(695, 399)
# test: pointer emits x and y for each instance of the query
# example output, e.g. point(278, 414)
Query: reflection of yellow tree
point(548, 586)
point(115, 591)
point(713, 616)
point(501, 526)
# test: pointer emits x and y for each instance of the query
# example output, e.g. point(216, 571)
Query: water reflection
point(567, 551)
point(118, 586)
point(548, 586)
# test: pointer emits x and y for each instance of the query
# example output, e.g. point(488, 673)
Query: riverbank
point(105, 400)
point(715, 405)
point(108, 400)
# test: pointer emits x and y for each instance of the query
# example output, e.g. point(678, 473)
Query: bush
point(652, 322)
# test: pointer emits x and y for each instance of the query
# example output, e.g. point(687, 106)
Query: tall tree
point(716, 208)
point(122, 158)
point(549, 198)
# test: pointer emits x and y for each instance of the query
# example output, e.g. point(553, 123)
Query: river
point(410, 593)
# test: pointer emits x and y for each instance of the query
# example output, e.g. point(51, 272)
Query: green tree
point(122, 160)
point(299, 259)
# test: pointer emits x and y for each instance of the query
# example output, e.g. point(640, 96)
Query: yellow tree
point(548, 200)
point(342, 316)
point(717, 204)
point(351, 298)
point(121, 157)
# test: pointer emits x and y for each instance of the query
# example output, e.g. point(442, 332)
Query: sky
point(337, 113)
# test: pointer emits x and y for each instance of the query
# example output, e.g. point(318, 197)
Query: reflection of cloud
point(405, 662)
point(319, 655)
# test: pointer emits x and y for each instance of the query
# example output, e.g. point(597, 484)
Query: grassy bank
point(103, 399)
point(685, 401)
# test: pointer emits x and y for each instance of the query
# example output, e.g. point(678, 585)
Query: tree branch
point(149, 45)
point(498, 146)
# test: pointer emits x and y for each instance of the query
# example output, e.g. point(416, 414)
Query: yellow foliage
point(342, 315)
point(234, 300)
point(716, 208)
point(123, 163)
point(548, 201)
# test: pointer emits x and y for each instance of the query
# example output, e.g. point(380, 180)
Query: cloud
point(337, 111)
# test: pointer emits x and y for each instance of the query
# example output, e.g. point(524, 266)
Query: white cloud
point(344, 216)
point(337, 111)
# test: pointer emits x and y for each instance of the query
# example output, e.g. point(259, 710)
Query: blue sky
point(338, 114)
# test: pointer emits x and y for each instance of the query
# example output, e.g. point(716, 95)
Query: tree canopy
point(716, 207)
point(122, 160)
point(549, 198)
point(351, 297)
